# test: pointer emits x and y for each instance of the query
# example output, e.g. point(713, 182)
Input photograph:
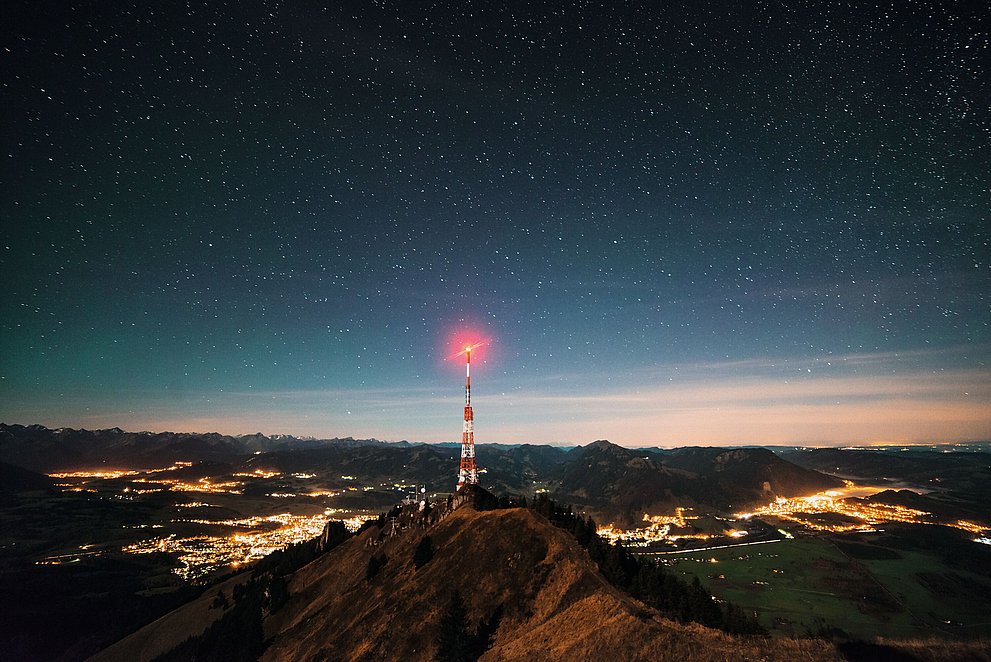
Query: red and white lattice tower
point(468, 474)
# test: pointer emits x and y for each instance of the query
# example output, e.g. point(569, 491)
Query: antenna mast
point(468, 474)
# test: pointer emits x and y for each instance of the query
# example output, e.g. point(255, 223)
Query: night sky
point(676, 223)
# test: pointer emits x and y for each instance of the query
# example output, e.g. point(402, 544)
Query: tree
point(424, 552)
point(455, 642)
point(482, 641)
point(278, 594)
point(375, 564)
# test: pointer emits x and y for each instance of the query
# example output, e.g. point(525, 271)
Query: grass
point(809, 586)
point(776, 580)
point(940, 594)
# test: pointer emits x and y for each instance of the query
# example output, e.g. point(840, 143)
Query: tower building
point(468, 473)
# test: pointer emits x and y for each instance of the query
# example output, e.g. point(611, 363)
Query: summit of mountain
point(748, 465)
point(602, 446)
point(528, 584)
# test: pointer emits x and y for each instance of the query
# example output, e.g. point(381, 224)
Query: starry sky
point(674, 223)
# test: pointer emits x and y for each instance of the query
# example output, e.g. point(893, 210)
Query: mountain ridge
point(554, 603)
point(612, 481)
point(634, 481)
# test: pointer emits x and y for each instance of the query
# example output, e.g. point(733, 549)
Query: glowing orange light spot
point(468, 349)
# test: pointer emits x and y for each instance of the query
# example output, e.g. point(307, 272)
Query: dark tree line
point(645, 580)
point(456, 640)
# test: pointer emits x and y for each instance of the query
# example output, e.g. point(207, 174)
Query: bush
point(375, 563)
point(423, 553)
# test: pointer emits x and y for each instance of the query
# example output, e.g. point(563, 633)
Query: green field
point(936, 593)
point(810, 585)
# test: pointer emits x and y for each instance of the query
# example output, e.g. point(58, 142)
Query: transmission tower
point(468, 474)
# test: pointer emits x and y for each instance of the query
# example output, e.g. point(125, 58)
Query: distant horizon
point(562, 444)
point(836, 400)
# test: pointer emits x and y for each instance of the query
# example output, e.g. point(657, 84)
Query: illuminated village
point(202, 555)
point(868, 515)
point(236, 541)
point(833, 511)
point(233, 542)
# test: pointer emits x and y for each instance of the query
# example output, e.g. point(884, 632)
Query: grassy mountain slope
point(546, 598)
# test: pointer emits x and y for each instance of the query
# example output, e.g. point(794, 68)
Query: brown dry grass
point(942, 650)
point(557, 606)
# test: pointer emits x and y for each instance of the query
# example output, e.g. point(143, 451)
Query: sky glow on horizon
point(681, 225)
point(795, 404)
